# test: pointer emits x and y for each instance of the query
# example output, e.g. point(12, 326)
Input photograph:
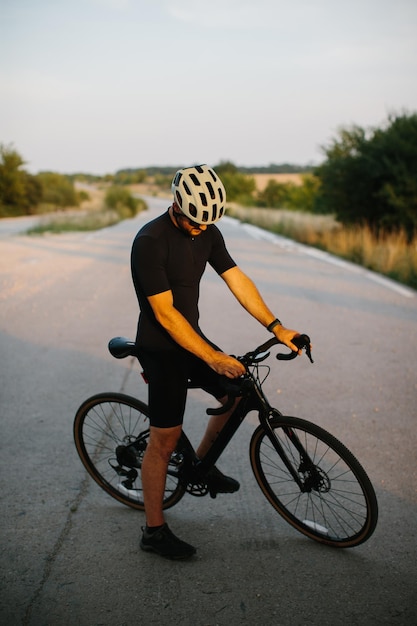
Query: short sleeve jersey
point(164, 258)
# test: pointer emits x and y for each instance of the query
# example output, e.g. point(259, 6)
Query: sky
point(100, 85)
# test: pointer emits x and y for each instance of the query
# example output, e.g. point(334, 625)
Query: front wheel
point(314, 482)
point(111, 432)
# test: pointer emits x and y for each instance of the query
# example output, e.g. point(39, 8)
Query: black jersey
point(164, 258)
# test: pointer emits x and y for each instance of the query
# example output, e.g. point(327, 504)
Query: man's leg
point(162, 442)
point(157, 536)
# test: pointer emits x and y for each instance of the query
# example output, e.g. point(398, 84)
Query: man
point(169, 256)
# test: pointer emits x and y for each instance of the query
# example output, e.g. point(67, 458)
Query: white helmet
point(199, 193)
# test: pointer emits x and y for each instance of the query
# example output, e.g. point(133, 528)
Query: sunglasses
point(185, 217)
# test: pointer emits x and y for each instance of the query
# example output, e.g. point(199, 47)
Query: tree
point(33, 192)
point(289, 195)
point(20, 192)
point(275, 195)
point(57, 190)
point(370, 177)
point(304, 197)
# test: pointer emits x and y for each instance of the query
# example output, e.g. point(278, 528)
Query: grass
point(391, 254)
point(93, 214)
point(70, 222)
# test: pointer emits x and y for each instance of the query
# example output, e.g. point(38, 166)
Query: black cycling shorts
point(169, 373)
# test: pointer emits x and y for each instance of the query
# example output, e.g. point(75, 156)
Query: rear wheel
point(111, 432)
point(335, 502)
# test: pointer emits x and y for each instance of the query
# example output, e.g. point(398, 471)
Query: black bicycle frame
point(254, 399)
point(225, 436)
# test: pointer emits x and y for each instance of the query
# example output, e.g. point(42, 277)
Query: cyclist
point(169, 256)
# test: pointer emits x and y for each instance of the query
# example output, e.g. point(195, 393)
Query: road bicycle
point(310, 478)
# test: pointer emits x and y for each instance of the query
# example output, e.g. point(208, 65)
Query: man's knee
point(163, 441)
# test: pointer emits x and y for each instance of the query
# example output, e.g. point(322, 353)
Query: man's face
point(186, 224)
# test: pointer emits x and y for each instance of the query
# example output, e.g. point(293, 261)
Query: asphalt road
point(70, 553)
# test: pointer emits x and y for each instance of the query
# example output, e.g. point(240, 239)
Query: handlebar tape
point(303, 343)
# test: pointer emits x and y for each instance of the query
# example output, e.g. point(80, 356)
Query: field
point(261, 180)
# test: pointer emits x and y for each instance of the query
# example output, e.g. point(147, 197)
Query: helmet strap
point(176, 217)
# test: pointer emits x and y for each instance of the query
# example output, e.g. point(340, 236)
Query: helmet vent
point(211, 190)
point(220, 194)
point(214, 212)
point(192, 209)
point(203, 199)
point(195, 180)
point(179, 199)
point(205, 216)
point(187, 189)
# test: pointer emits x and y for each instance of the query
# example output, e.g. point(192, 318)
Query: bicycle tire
point(108, 422)
point(338, 506)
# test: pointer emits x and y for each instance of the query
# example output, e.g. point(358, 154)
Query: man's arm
point(182, 332)
point(246, 292)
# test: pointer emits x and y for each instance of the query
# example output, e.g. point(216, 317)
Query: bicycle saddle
point(121, 347)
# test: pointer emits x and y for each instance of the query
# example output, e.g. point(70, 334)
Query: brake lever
point(303, 343)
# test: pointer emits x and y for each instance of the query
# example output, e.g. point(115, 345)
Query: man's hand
point(226, 365)
point(285, 336)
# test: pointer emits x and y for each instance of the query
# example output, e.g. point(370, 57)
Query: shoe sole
point(171, 557)
point(213, 489)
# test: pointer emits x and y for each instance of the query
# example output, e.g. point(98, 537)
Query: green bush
point(304, 197)
point(57, 190)
point(121, 200)
point(275, 195)
point(289, 195)
point(20, 192)
point(239, 187)
point(83, 195)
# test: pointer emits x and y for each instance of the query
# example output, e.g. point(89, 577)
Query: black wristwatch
point(272, 325)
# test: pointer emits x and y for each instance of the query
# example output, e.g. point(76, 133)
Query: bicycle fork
point(306, 465)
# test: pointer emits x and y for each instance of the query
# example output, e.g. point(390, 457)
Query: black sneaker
point(166, 544)
point(219, 483)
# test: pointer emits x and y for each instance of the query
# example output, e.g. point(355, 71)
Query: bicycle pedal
point(197, 489)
